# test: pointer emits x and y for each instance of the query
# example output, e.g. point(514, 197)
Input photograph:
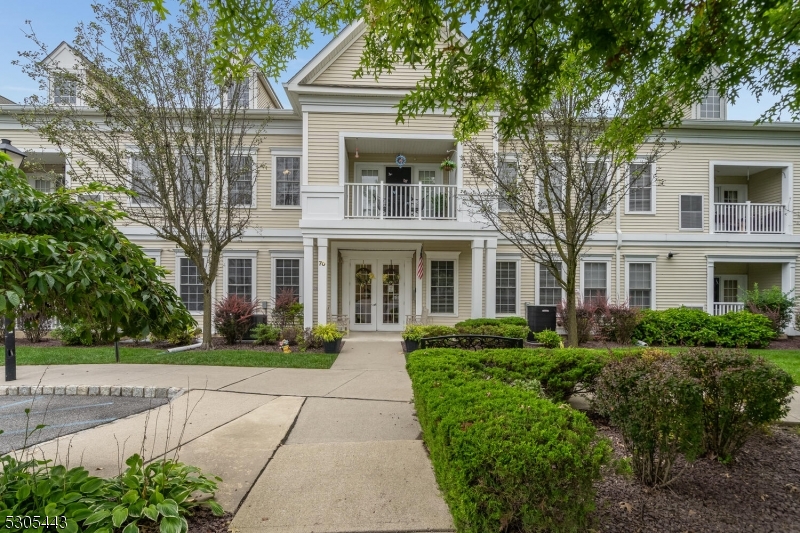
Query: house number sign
point(322, 263)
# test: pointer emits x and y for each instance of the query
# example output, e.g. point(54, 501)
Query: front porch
point(729, 279)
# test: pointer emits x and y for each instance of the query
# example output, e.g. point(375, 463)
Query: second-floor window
point(551, 185)
point(241, 176)
point(141, 181)
point(640, 192)
point(691, 211)
point(287, 181)
point(596, 186)
point(508, 177)
point(241, 92)
point(711, 105)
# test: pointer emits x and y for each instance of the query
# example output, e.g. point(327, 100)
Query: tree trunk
point(207, 310)
point(572, 322)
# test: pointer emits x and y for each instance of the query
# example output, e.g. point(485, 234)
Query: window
point(141, 181)
point(241, 93)
point(508, 177)
point(443, 285)
point(596, 186)
point(370, 175)
point(65, 91)
point(506, 288)
point(595, 281)
point(287, 276)
point(553, 186)
point(287, 181)
point(640, 192)
point(43, 185)
point(549, 289)
point(241, 176)
point(427, 177)
point(192, 176)
point(640, 285)
point(711, 105)
point(191, 286)
point(691, 211)
point(240, 277)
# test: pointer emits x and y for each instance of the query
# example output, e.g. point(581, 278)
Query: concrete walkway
point(299, 450)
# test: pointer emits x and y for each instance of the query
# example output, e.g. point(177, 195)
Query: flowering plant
point(284, 344)
point(447, 164)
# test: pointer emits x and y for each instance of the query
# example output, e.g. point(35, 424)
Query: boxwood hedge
point(693, 327)
point(506, 458)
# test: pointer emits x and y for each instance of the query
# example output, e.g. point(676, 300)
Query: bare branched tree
point(140, 108)
point(557, 180)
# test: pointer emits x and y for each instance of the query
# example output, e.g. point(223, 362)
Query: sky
point(54, 21)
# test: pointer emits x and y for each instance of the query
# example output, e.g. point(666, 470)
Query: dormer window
point(241, 91)
point(711, 105)
point(65, 91)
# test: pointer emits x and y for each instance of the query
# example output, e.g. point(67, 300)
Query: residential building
point(348, 200)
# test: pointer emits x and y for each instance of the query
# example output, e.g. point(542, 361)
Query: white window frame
point(52, 86)
point(742, 279)
point(503, 159)
point(253, 154)
point(537, 283)
point(442, 256)
point(702, 213)
point(252, 88)
point(180, 254)
point(637, 259)
point(723, 108)
point(596, 259)
point(510, 258)
point(285, 152)
point(240, 254)
point(652, 189)
point(154, 254)
point(285, 254)
point(610, 176)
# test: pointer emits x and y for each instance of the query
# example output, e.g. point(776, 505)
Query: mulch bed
point(203, 521)
point(758, 492)
point(787, 343)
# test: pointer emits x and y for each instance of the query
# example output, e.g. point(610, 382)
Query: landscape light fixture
point(17, 157)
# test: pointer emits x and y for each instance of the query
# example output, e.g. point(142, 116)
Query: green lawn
point(789, 360)
point(28, 355)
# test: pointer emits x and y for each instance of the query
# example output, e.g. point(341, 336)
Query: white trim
point(702, 211)
point(442, 256)
point(154, 254)
point(596, 259)
point(240, 254)
point(510, 258)
point(304, 162)
point(652, 189)
point(743, 283)
point(284, 254)
point(750, 259)
point(285, 152)
point(637, 260)
point(537, 283)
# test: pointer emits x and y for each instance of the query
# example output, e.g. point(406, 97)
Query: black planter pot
point(332, 346)
point(411, 345)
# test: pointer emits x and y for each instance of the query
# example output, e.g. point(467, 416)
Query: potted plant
point(330, 336)
point(447, 164)
point(412, 335)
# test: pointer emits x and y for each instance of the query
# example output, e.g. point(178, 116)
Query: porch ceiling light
point(356, 156)
point(17, 156)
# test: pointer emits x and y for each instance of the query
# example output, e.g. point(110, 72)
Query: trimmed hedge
point(503, 327)
point(508, 320)
point(505, 458)
point(693, 327)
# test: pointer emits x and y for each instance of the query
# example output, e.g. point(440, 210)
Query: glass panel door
point(363, 299)
point(390, 283)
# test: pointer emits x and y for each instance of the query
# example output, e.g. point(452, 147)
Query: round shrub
point(741, 393)
point(549, 339)
point(266, 334)
point(657, 407)
point(743, 329)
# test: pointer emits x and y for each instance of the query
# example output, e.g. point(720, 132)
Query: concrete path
point(354, 460)
point(794, 409)
point(299, 450)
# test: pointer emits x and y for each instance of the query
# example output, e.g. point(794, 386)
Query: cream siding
point(766, 187)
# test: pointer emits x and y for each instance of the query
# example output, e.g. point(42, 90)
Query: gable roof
point(6, 101)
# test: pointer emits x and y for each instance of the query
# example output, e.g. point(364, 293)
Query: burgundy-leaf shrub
point(232, 317)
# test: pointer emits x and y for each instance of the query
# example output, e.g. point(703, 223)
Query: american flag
point(420, 267)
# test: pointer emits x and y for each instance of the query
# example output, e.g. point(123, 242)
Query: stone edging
point(91, 390)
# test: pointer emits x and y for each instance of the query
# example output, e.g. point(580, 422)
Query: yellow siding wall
point(767, 275)
point(766, 187)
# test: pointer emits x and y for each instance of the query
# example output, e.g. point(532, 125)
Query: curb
point(91, 390)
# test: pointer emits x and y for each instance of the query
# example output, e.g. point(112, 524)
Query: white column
point(322, 281)
point(308, 282)
point(491, 276)
point(710, 287)
point(788, 272)
point(477, 278)
point(418, 284)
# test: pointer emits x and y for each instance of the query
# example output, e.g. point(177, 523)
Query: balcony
point(399, 201)
point(749, 217)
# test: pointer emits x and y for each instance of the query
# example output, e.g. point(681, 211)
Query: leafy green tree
point(66, 256)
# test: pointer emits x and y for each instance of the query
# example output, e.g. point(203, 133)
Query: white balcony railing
point(749, 218)
point(384, 200)
point(720, 308)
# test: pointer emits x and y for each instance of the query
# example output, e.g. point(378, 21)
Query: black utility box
point(540, 318)
point(254, 321)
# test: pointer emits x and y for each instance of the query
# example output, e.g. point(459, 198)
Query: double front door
point(379, 292)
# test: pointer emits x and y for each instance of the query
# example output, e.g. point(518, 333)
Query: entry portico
point(380, 285)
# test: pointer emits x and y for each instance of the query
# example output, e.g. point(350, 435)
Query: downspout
point(619, 246)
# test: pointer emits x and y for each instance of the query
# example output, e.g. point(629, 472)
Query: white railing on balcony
point(749, 218)
point(385, 200)
point(720, 308)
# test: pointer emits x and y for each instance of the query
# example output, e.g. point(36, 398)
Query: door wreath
point(364, 275)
